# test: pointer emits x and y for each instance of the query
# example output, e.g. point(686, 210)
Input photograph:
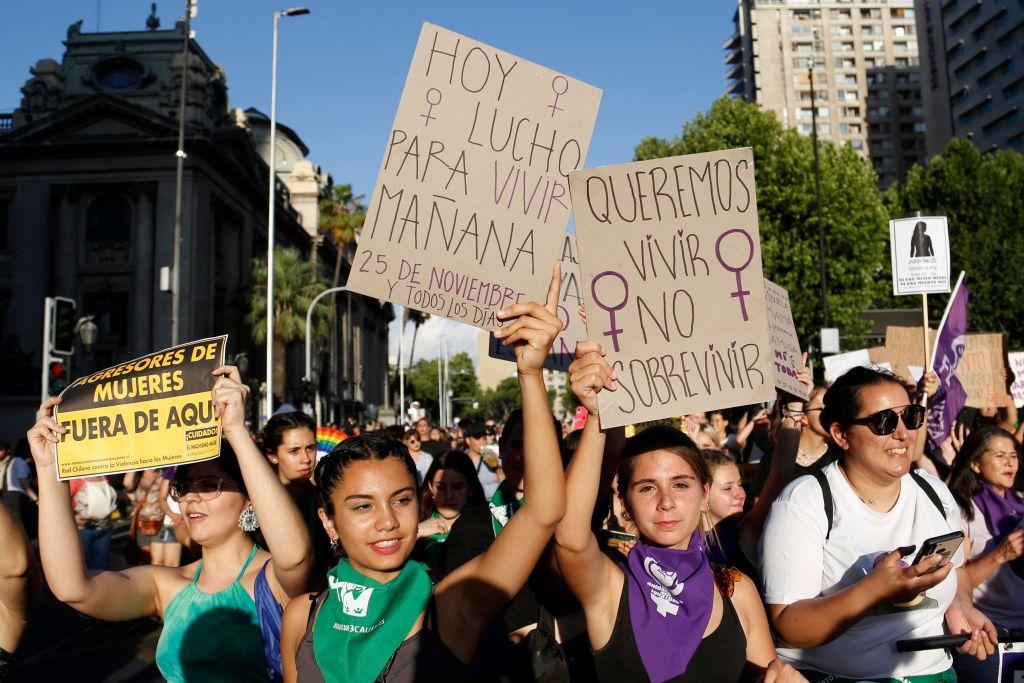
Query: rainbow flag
point(326, 439)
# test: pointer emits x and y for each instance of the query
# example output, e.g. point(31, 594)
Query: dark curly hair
point(330, 471)
point(274, 431)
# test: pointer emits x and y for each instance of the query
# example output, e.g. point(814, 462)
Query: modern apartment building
point(972, 72)
point(864, 58)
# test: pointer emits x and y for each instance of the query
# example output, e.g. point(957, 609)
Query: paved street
point(61, 644)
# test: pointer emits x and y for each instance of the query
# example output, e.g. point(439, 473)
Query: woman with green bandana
point(449, 487)
point(380, 618)
point(214, 610)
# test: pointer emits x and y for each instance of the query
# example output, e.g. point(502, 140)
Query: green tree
point(854, 215)
point(498, 402)
point(982, 195)
point(342, 214)
point(297, 281)
point(422, 381)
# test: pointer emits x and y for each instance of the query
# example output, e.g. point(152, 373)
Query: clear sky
point(341, 68)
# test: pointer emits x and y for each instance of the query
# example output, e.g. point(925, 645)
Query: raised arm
point(588, 572)
point(19, 578)
point(470, 597)
point(280, 522)
point(112, 596)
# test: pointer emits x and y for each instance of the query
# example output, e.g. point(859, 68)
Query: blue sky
point(342, 67)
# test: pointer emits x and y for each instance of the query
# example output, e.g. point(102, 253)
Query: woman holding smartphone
point(838, 590)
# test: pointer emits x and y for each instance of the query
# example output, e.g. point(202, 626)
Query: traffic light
point(57, 377)
point(61, 336)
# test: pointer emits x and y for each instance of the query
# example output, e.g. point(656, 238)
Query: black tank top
point(422, 658)
point(720, 657)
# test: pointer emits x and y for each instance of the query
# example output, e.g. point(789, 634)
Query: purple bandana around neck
point(1002, 515)
point(671, 593)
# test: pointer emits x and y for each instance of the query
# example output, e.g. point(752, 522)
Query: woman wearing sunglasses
point(988, 484)
point(840, 579)
point(212, 619)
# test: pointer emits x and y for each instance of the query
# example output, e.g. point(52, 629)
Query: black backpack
point(826, 492)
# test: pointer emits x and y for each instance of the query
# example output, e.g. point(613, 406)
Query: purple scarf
point(671, 593)
point(1002, 515)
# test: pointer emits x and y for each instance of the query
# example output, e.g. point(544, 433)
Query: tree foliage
point(342, 214)
point(297, 281)
point(854, 215)
point(422, 381)
point(498, 402)
point(982, 195)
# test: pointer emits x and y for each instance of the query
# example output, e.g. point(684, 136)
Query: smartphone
point(966, 417)
point(944, 545)
point(621, 536)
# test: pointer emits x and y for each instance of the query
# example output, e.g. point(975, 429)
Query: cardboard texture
point(671, 269)
point(471, 201)
point(1016, 360)
point(785, 344)
point(904, 346)
point(919, 249)
point(570, 299)
point(981, 371)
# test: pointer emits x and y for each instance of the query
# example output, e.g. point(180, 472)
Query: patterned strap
point(726, 579)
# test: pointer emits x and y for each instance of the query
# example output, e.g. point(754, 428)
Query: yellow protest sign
point(154, 411)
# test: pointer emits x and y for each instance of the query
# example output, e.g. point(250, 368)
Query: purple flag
point(949, 348)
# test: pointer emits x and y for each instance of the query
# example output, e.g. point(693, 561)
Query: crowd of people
point(776, 543)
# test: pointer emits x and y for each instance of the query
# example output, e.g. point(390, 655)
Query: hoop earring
point(247, 521)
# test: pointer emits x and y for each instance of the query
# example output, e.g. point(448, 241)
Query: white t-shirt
point(1002, 596)
point(798, 564)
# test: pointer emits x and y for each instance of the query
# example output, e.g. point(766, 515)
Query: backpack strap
point(928, 491)
point(826, 494)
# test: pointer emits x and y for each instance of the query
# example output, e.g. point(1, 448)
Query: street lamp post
point(271, 197)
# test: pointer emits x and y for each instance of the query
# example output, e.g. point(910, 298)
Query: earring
point(273, 460)
point(335, 545)
point(625, 516)
point(247, 521)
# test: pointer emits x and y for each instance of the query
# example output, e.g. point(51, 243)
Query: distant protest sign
point(471, 202)
point(670, 260)
point(785, 344)
point(837, 365)
point(570, 299)
point(1016, 359)
point(919, 249)
point(154, 411)
point(981, 371)
point(904, 346)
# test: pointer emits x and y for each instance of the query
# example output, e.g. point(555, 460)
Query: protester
point(838, 592)
point(988, 485)
point(740, 444)
point(420, 457)
point(488, 469)
point(16, 486)
point(811, 453)
point(720, 423)
point(450, 486)
point(212, 610)
point(94, 500)
point(19, 588)
point(368, 496)
point(692, 623)
point(148, 515)
point(289, 441)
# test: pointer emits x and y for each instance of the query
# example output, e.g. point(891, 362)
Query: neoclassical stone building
point(87, 200)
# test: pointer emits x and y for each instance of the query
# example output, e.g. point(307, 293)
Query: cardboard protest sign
point(920, 255)
point(785, 344)
point(569, 301)
point(1016, 360)
point(154, 411)
point(904, 346)
point(981, 371)
point(671, 264)
point(837, 365)
point(471, 202)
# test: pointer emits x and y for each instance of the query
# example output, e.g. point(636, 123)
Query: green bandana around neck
point(502, 506)
point(363, 622)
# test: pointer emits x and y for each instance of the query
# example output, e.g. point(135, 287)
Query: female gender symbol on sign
point(427, 118)
point(612, 331)
point(565, 88)
point(740, 293)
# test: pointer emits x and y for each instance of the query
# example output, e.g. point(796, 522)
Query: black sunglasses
point(884, 422)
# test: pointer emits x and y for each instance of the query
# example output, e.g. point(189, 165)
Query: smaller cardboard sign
point(904, 346)
point(837, 365)
point(154, 411)
point(1016, 360)
point(784, 343)
point(981, 371)
point(570, 299)
point(920, 255)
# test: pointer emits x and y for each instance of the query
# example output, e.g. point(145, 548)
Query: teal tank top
point(212, 636)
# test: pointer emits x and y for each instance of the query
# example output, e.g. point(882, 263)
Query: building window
point(119, 73)
point(108, 231)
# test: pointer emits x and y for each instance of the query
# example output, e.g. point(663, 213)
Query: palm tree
point(341, 216)
point(417, 318)
point(296, 283)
